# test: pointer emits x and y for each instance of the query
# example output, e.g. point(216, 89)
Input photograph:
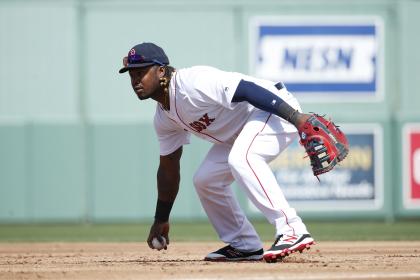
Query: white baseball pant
point(261, 140)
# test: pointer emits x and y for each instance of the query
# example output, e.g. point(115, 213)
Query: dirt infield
point(326, 260)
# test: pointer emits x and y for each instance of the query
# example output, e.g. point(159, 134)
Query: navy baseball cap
point(145, 54)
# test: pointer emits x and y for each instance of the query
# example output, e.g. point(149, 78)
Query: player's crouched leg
point(209, 181)
point(200, 182)
point(238, 164)
point(212, 182)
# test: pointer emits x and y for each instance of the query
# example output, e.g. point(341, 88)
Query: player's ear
point(162, 71)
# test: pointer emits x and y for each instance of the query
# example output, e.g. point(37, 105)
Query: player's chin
point(142, 95)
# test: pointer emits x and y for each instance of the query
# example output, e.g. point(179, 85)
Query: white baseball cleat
point(287, 244)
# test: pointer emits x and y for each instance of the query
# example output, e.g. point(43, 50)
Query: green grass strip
point(202, 231)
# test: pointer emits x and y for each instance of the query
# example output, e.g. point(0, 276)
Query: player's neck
point(166, 103)
point(163, 92)
point(162, 97)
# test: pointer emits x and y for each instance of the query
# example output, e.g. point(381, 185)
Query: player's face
point(145, 81)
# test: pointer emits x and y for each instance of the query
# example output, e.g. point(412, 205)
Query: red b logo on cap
point(132, 52)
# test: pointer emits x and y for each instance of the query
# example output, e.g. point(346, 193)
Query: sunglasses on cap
point(137, 59)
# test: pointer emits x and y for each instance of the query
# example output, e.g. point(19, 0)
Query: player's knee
point(200, 179)
point(237, 160)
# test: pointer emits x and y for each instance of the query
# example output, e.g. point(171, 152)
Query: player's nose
point(135, 82)
point(137, 85)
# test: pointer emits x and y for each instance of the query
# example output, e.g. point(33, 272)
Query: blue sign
point(316, 58)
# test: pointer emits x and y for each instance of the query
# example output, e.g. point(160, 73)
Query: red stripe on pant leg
point(287, 221)
point(255, 174)
point(258, 179)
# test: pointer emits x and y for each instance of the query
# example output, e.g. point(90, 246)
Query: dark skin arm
point(168, 177)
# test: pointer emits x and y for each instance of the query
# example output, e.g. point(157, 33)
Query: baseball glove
point(325, 144)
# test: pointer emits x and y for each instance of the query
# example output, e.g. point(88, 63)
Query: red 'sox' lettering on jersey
point(202, 123)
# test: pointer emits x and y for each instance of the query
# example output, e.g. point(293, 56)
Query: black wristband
point(163, 209)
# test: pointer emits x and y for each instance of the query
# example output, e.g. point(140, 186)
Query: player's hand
point(159, 229)
point(125, 61)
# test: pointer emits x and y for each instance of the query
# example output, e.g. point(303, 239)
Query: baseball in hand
point(157, 245)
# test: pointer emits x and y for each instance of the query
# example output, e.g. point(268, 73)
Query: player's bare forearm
point(168, 176)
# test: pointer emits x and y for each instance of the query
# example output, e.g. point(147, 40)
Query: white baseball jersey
point(200, 103)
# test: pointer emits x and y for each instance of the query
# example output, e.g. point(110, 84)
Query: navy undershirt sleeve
point(257, 96)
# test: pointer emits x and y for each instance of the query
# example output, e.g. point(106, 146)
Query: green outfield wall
point(77, 146)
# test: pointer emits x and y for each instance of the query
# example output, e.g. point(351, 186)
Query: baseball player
point(250, 122)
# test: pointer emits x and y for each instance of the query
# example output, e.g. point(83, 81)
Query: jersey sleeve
point(169, 134)
point(217, 85)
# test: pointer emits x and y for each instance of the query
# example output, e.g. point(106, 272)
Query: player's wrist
point(163, 210)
